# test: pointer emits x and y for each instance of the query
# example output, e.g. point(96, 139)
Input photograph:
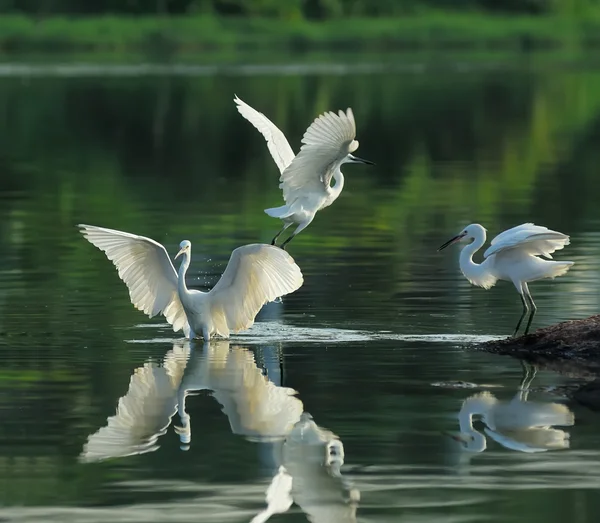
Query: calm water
point(108, 416)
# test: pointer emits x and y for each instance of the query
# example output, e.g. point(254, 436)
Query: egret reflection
point(256, 407)
point(144, 413)
point(304, 459)
point(518, 424)
point(310, 476)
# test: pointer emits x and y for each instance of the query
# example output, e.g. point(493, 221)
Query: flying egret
point(512, 256)
point(518, 424)
point(256, 274)
point(306, 177)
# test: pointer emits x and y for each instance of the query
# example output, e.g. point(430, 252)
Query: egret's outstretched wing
point(278, 145)
point(256, 274)
point(143, 414)
point(329, 139)
point(146, 269)
point(529, 227)
point(529, 238)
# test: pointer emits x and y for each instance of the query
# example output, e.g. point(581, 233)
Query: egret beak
point(461, 438)
point(356, 159)
point(451, 241)
point(181, 251)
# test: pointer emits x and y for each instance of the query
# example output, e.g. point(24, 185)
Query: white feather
point(277, 143)
point(530, 239)
point(328, 140)
point(256, 274)
point(146, 269)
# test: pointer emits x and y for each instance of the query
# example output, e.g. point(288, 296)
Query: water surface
point(354, 383)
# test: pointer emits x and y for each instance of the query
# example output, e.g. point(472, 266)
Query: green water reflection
point(169, 157)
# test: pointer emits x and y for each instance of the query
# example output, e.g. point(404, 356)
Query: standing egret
point(306, 178)
point(512, 256)
point(256, 274)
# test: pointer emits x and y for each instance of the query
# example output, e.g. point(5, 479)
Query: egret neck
point(473, 439)
point(335, 191)
point(181, 286)
point(477, 273)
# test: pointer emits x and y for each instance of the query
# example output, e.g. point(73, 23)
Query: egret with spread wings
point(306, 177)
point(512, 256)
point(256, 274)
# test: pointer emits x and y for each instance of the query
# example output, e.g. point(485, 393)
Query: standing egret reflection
point(306, 177)
point(518, 424)
point(512, 256)
point(256, 274)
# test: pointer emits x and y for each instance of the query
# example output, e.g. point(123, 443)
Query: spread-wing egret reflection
point(255, 407)
point(512, 256)
point(144, 413)
point(256, 274)
point(306, 177)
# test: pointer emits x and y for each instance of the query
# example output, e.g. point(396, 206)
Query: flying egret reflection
point(512, 256)
point(256, 274)
point(306, 177)
point(310, 476)
point(518, 424)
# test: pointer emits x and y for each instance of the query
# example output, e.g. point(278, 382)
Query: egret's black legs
point(533, 307)
point(287, 241)
point(525, 310)
point(529, 372)
point(279, 233)
point(277, 236)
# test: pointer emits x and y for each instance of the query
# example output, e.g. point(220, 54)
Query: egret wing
point(146, 269)
point(328, 139)
point(277, 143)
point(529, 227)
point(530, 239)
point(256, 274)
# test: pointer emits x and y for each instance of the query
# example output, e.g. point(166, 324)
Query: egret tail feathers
point(280, 212)
point(560, 268)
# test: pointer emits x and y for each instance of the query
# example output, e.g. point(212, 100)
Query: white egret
point(255, 275)
point(306, 178)
point(512, 256)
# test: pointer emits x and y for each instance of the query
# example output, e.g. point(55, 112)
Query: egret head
point(355, 159)
point(469, 233)
point(472, 441)
point(184, 247)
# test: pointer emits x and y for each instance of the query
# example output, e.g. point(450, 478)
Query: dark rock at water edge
point(571, 347)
